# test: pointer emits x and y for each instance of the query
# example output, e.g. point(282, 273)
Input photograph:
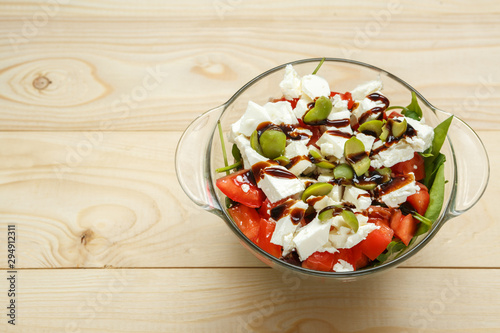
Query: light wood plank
point(254, 300)
point(158, 74)
point(118, 203)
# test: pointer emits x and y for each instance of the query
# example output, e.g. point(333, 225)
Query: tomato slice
point(320, 261)
point(362, 261)
point(241, 187)
point(420, 200)
point(292, 101)
point(352, 255)
point(247, 219)
point(376, 242)
point(415, 165)
point(380, 213)
point(404, 226)
point(345, 97)
point(266, 230)
point(395, 114)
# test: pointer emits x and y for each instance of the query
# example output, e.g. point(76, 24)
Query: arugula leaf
point(431, 173)
point(436, 195)
point(439, 136)
point(236, 153)
point(414, 110)
point(221, 136)
point(230, 167)
point(393, 247)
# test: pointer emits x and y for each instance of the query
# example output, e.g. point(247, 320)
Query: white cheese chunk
point(253, 117)
point(277, 188)
point(343, 237)
point(358, 197)
point(339, 105)
point(281, 113)
point(366, 105)
point(425, 134)
point(342, 266)
point(398, 196)
point(301, 108)
point(285, 226)
point(288, 244)
point(325, 178)
point(342, 115)
point(299, 167)
point(291, 83)
point(296, 148)
point(249, 155)
point(311, 238)
point(367, 140)
point(332, 145)
point(336, 194)
point(324, 202)
point(398, 152)
point(315, 86)
point(366, 89)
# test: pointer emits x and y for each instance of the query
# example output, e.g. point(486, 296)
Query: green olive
point(272, 143)
point(386, 173)
point(315, 155)
point(321, 110)
point(350, 219)
point(372, 127)
point(367, 186)
point(254, 142)
point(355, 154)
point(325, 165)
point(282, 160)
point(385, 132)
point(343, 171)
point(317, 189)
point(328, 212)
point(236, 153)
point(399, 128)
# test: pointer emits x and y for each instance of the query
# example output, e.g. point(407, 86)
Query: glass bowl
point(199, 151)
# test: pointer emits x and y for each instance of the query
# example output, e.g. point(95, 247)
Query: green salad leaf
point(392, 248)
point(413, 110)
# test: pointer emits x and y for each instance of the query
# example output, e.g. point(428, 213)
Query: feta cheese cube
point(311, 238)
point(301, 108)
point(324, 202)
point(398, 152)
point(298, 167)
point(253, 117)
point(332, 144)
point(342, 115)
point(342, 266)
point(398, 196)
point(249, 155)
point(339, 105)
point(291, 84)
point(315, 86)
point(336, 194)
point(325, 178)
point(343, 237)
point(285, 226)
point(366, 105)
point(280, 113)
point(367, 140)
point(296, 148)
point(358, 197)
point(277, 188)
point(366, 89)
point(425, 134)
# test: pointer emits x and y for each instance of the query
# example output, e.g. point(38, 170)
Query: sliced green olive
point(327, 213)
point(254, 142)
point(272, 143)
point(317, 189)
point(282, 160)
point(319, 112)
point(399, 128)
point(384, 171)
point(385, 132)
point(354, 152)
point(343, 171)
point(325, 165)
point(372, 127)
point(367, 186)
point(350, 219)
point(315, 154)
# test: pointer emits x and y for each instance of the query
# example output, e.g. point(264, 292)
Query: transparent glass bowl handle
point(471, 165)
point(191, 160)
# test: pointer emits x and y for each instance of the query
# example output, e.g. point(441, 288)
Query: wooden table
point(94, 96)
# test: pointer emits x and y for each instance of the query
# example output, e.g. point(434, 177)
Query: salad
point(333, 181)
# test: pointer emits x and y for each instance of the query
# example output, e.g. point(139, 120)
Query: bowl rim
point(436, 226)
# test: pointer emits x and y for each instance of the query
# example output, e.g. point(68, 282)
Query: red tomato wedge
point(240, 187)
point(380, 213)
point(404, 226)
point(247, 219)
point(345, 97)
point(376, 242)
point(292, 101)
point(352, 255)
point(266, 230)
point(420, 200)
point(415, 165)
point(320, 261)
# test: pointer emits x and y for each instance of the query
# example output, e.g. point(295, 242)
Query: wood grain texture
point(95, 199)
point(159, 74)
point(255, 300)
